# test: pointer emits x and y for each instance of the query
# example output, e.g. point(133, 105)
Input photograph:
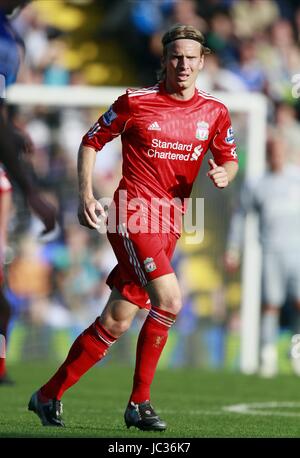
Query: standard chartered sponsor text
point(163, 145)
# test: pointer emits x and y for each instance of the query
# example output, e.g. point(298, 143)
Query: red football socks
point(2, 367)
point(89, 348)
point(2, 356)
point(152, 339)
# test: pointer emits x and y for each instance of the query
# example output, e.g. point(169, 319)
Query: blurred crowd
point(255, 48)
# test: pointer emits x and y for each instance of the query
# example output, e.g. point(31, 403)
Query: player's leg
point(5, 314)
point(295, 358)
point(144, 270)
point(293, 260)
point(165, 299)
point(118, 314)
point(5, 308)
point(269, 334)
point(89, 348)
point(274, 293)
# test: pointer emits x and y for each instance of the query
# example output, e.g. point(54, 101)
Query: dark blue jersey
point(9, 52)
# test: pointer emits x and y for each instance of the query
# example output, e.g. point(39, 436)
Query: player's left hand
point(217, 174)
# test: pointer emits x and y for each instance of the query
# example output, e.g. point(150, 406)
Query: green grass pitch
point(195, 404)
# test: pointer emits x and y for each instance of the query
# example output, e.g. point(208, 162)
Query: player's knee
point(269, 308)
point(115, 327)
point(171, 304)
point(120, 327)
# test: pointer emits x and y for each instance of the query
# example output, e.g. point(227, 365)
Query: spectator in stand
point(276, 200)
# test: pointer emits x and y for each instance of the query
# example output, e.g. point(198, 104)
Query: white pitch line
point(189, 412)
point(254, 408)
point(193, 412)
point(251, 408)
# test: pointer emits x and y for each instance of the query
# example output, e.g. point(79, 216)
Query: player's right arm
point(88, 205)
point(112, 123)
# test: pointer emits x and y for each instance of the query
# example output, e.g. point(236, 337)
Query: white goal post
point(255, 107)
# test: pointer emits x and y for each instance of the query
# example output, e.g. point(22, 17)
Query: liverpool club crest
point(202, 131)
point(149, 265)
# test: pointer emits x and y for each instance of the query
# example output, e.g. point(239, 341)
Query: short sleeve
point(112, 123)
point(223, 145)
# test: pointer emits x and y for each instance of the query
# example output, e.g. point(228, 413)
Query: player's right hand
point(90, 212)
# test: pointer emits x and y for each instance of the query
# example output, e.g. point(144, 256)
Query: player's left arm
point(224, 165)
point(18, 170)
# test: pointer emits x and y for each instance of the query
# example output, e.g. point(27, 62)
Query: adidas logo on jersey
point(154, 126)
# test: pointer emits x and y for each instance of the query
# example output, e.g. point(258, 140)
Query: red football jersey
point(164, 142)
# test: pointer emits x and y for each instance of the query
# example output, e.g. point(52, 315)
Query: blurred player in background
point(12, 145)
point(276, 200)
point(166, 131)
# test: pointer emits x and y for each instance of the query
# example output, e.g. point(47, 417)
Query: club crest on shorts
point(149, 265)
point(202, 131)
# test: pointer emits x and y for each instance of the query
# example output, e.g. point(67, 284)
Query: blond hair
point(179, 32)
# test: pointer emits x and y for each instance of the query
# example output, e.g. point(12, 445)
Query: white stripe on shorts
point(133, 259)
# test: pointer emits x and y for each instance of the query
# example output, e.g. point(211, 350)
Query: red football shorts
point(141, 258)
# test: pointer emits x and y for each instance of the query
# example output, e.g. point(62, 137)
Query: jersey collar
point(176, 102)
